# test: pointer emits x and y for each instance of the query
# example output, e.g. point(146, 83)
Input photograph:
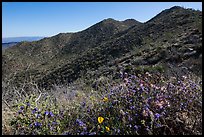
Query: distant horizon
point(23, 37)
point(47, 19)
point(20, 39)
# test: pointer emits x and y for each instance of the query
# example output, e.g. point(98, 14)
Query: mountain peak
point(172, 12)
point(131, 22)
point(109, 20)
point(176, 7)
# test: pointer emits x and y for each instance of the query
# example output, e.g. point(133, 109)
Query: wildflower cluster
point(147, 104)
point(37, 119)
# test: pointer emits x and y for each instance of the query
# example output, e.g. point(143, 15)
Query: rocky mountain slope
point(171, 42)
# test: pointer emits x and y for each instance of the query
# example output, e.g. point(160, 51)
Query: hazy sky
point(50, 18)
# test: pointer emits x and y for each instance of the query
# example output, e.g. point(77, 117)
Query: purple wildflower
point(28, 104)
point(83, 133)
point(54, 123)
point(31, 125)
point(46, 112)
point(37, 124)
point(51, 114)
point(136, 127)
point(130, 100)
point(33, 111)
point(22, 107)
point(80, 122)
point(83, 104)
point(157, 115)
point(132, 107)
point(36, 109)
point(66, 133)
point(20, 111)
point(92, 133)
point(130, 118)
point(125, 74)
point(158, 125)
point(133, 90)
point(38, 115)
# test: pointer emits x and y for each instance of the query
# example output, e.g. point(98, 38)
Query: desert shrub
point(142, 104)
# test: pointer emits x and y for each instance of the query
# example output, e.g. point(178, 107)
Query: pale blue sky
point(50, 18)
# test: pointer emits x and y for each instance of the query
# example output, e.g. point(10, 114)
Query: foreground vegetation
point(142, 104)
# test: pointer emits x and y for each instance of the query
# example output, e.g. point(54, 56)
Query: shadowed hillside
point(172, 38)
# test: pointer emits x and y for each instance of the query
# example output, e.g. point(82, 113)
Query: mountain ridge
point(68, 56)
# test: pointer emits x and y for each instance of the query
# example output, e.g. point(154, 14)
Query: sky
point(50, 18)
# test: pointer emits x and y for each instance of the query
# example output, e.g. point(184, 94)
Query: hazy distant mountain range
point(11, 41)
point(7, 45)
point(19, 39)
point(170, 41)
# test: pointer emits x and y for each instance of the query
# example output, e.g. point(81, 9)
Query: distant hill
point(7, 45)
point(171, 42)
point(20, 39)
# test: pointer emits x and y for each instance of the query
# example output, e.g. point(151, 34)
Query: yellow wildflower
point(105, 99)
point(107, 129)
point(100, 120)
